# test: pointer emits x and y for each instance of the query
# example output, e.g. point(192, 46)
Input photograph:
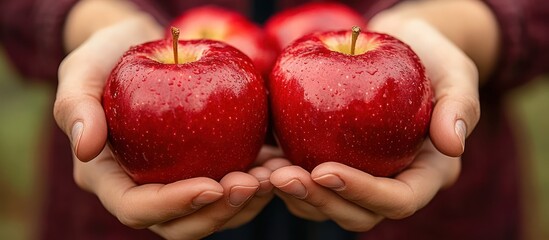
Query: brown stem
point(356, 32)
point(175, 39)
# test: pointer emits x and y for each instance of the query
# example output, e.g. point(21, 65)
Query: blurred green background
point(25, 117)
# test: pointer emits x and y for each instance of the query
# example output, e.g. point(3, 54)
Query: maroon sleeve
point(32, 30)
point(31, 34)
point(524, 28)
point(524, 32)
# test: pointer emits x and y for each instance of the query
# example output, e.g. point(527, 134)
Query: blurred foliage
point(530, 108)
point(24, 109)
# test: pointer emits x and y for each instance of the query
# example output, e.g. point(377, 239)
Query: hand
point(358, 201)
point(187, 209)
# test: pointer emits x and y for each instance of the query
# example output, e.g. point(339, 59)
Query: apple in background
point(367, 106)
point(291, 24)
point(211, 22)
point(199, 111)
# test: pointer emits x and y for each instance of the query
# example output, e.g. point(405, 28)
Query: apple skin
point(370, 111)
point(211, 22)
point(291, 24)
point(169, 122)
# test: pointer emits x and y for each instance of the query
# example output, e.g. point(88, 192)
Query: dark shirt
point(483, 204)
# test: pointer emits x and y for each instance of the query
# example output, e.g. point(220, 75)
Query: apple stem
point(356, 32)
point(175, 39)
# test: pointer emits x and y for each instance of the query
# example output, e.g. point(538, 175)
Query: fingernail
point(241, 194)
point(76, 134)
point(206, 197)
point(295, 188)
point(461, 132)
point(331, 181)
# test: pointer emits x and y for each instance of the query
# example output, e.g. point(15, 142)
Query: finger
point(148, 204)
point(276, 163)
point(297, 207)
point(295, 181)
point(393, 198)
point(238, 187)
point(289, 187)
point(262, 174)
point(249, 212)
point(262, 197)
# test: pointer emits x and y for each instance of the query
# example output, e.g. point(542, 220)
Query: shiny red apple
point(211, 22)
point(367, 106)
point(202, 116)
point(293, 23)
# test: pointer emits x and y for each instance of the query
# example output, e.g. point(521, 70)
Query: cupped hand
point(187, 209)
point(357, 201)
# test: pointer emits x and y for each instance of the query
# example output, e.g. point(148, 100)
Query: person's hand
point(187, 209)
point(357, 201)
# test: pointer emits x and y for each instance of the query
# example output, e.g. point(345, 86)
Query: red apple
point(211, 22)
point(202, 113)
point(293, 23)
point(369, 109)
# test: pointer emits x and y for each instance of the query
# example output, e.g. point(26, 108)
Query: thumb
point(77, 109)
point(456, 113)
point(454, 79)
point(82, 77)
